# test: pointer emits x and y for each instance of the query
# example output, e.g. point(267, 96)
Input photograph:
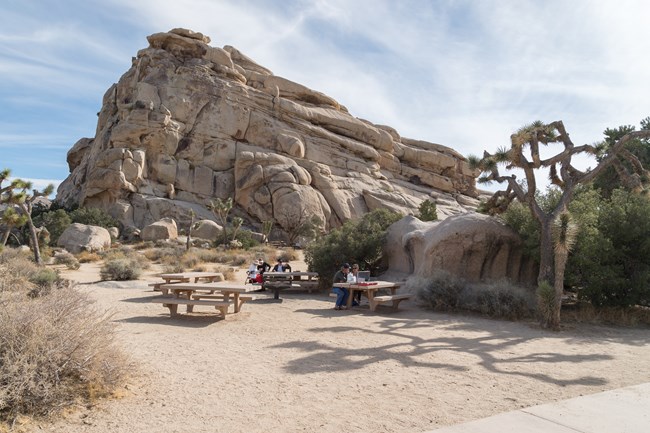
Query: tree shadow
point(491, 350)
point(194, 320)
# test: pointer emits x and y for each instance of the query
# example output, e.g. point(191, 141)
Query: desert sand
point(298, 365)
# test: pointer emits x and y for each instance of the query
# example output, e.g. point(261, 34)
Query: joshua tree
point(17, 193)
point(524, 154)
point(236, 224)
point(221, 209)
point(10, 219)
point(267, 226)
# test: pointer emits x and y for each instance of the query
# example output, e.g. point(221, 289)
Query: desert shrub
point(120, 269)
point(445, 292)
point(67, 259)
point(502, 299)
point(190, 259)
point(145, 245)
point(441, 292)
point(55, 222)
point(43, 277)
point(227, 271)
point(173, 268)
point(55, 351)
point(244, 237)
point(165, 254)
point(209, 256)
point(94, 217)
point(15, 270)
point(88, 257)
point(357, 241)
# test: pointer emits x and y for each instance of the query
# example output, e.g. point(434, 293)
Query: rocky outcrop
point(81, 237)
point(472, 246)
point(207, 229)
point(160, 230)
point(189, 122)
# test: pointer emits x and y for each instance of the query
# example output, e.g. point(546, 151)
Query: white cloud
point(462, 73)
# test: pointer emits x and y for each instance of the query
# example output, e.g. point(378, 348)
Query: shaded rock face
point(81, 237)
point(189, 122)
point(471, 246)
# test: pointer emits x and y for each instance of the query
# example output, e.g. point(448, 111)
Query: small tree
point(17, 193)
point(297, 223)
point(10, 219)
point(428, 211)
point(236, 225)
point(267, 226)
point(221, 209)
point(562, 173)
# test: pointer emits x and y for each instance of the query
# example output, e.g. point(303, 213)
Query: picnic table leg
point(371, 300)
point(237, 305)
point(276, 292)
point(350, 296)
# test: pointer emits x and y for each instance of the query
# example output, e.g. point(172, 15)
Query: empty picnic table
point(192, 294)
point(185, 277)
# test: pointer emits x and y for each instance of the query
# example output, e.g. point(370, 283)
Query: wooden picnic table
point(286, 280)
point(197, 293)
point(185, 277)
point(371, 288)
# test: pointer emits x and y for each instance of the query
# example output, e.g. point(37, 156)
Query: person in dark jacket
point(342, 293)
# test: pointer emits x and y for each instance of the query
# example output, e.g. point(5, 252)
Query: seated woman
point(281, 266)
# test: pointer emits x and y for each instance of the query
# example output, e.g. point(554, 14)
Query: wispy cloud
point(461, 73)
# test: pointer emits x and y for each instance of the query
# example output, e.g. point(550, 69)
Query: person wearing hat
point(342, 293)
point(281, 266)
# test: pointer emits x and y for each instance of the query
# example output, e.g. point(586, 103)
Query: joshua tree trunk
point(34, 238)
point(5, 236)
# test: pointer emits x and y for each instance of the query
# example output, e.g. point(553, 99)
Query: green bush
point(357, 241)
point(428, 211)
point(67, 259)
point(55, 222)
point(94, 217)
point(120, 270)
point(56, 351)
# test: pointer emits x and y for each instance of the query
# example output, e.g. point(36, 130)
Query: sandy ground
point(298, 365)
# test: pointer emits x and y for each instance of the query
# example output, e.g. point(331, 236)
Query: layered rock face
point(188, 123)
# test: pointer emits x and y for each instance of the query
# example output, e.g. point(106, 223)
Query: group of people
point(347, 274)
point(256, 270)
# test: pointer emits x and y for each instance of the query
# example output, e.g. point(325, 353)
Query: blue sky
point(462, 73)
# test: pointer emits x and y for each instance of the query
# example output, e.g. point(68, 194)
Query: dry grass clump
point(15, 270)
point(67, 259)
point(500, 299)
point(165, 254)
point(54, 351)
point(88, 257)
point(123, 264)
point(584, 312)
point(227, 271)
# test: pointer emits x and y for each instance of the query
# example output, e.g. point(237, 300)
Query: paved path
point(624, 410)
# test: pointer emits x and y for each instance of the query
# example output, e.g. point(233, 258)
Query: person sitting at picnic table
point(352, 278)
point(342, 293)
point(281, 266)
point(251, 273)
point(262, 267)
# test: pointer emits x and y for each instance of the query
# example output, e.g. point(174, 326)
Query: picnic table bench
point(173, 303)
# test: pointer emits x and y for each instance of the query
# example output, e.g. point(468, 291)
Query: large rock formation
point(190, 122)
point(472, 246)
